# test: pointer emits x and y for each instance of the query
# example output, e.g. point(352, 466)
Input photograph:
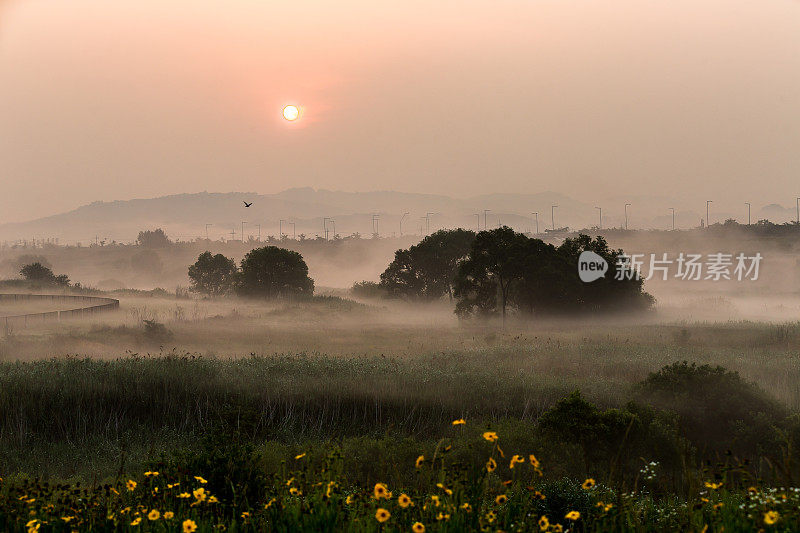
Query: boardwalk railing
point(76, 306)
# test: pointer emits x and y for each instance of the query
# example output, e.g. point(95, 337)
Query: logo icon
point(591, 266)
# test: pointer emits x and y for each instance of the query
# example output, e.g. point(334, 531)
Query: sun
point(291, 113)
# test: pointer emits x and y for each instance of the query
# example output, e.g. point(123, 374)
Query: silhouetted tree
point(42, 274)
point(486, 278)
point(607, 293)
point(507, 269)
point(272, 272)
point(153, 239)
point(427, 270)
point(212, 274)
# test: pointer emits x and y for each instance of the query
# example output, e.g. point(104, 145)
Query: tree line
point(487, 273)
point(268, 272)
point(493, 272)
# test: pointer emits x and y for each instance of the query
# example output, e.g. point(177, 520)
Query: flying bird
point(246, 204)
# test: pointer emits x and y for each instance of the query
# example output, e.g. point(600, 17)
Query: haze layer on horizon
point(691, 99)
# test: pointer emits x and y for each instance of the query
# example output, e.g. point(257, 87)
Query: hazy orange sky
point(104, 100)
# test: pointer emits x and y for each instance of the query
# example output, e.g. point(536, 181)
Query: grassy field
point(233, 391)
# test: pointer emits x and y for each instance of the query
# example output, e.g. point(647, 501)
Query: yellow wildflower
point(200, 480)
point(151, 474)
point(516, 459)
point(544, 523)
point(184, 495)
point(467, 507)
point(459, 422)
point(491, 465)
point(131, 484)
point(381, 491)
point(501, 499)
point(404, 501)
point(294, 491)
point(136, 521)
point(572, 515)
point(771, 517)
point(168, 515)
point(189, 526)
point(329, 490)
point(418, 527)
point(713, 486)
point(534, 461)
point(200, 494)
point(419, 462)
point(382, 515)
point(490, 436)
point(588, 484)
point(296, 457)
point(153, 515)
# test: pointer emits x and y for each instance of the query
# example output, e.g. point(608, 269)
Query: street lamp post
point(626, 216)
point(401, 223)
point(798, 210)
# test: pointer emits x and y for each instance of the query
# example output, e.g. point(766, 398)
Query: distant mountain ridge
point(303, 210)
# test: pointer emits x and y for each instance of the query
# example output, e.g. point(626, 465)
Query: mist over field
point(386, 267)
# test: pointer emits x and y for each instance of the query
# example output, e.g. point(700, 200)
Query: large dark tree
point(486, 278)
point(273, 272)
point(212, 274)
point(607, 293)
point(508, 270)
point(426, 270)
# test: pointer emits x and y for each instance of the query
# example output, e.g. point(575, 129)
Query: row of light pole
point(427, 219)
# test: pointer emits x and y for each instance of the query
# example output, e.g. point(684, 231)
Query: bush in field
point(614, 441)
point(213, 275)
point(718, 410)
point(273, 272)
point(39, 273)
point(156, 331)
point(427, 270)
point(368, 289)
